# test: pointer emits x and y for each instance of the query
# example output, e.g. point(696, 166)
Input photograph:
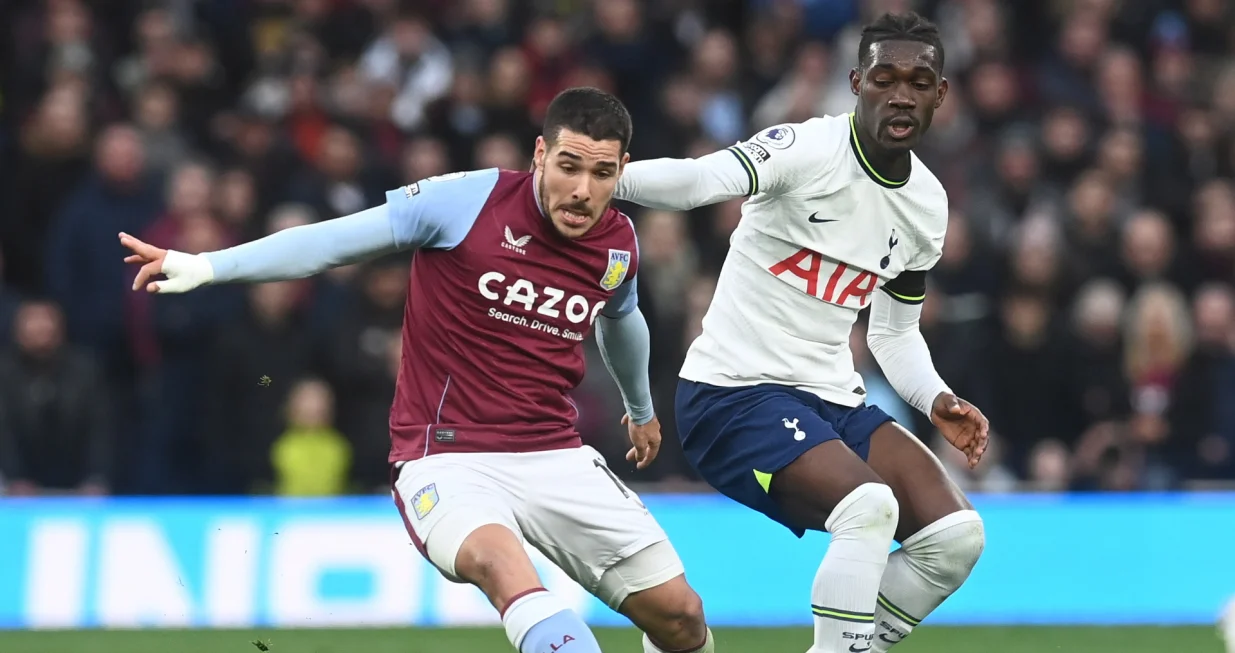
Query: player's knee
point(689, 615)
point(680, 624)
point(961, 554)
point(949, 558)
point(869, 511)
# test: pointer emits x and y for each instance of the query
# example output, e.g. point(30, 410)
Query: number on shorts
point(608, 472)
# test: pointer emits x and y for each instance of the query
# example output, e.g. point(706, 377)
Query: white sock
point(708, 646)
point(847, 583)
point(930, 565)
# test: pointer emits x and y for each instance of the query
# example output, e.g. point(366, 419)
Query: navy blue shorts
point(737, 438)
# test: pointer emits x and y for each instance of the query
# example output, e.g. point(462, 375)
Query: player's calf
point(930, 565)
point(493, 559)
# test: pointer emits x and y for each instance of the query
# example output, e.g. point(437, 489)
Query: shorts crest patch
point(424, 500)
point(615, 273)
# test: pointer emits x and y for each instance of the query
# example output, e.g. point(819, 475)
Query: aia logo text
point(822, 279)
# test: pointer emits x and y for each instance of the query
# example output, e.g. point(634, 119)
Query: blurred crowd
point(1084, 300)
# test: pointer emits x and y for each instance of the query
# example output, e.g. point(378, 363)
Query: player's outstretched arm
point(436, 212)
point(289, 254)
point(684, 184)
point(777, 160)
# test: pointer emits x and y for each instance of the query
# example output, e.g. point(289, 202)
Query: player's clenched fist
point(962, 424)
point(184, 272)
point(646, 438)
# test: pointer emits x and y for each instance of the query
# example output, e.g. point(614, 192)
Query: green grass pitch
point(787, 640)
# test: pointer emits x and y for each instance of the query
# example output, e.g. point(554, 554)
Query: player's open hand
point(184, 272)
point(962, 424)
point(646, 438)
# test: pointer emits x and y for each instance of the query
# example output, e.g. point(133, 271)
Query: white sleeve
point(774, 161)
point(897, 344)
point(683, 184)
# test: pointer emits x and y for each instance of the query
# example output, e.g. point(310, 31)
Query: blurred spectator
point(1049, 467)
point(156, 113)
point(358, 357)
point(52, 159)
point(715, 67)
point(338, 183)
point(310, 458)
point(408, 57)
point(801, 94)
point(1214, 231)
point(1202, 415)
point(55, 428)
point(1097, 384)
point(1159, 340)
point(85, 273)
point(1148, 250)
point(235, 203)
point(668, 262)
point(1092, 227)
point(252, 365)
point(1029, 399)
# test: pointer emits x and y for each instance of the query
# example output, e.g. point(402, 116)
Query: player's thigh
point(444, 499)
point(586, 520)
point(809, 488)
point(769, 448)
point(922, 488)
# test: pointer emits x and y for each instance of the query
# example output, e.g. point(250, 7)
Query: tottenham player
point(841, 215)
point(511, 271)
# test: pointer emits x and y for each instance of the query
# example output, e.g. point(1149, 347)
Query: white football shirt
point(822, 237)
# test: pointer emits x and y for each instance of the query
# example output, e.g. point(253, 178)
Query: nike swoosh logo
point(816, 220)
point(853, 648)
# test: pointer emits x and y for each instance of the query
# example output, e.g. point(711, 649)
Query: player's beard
point(581, 209)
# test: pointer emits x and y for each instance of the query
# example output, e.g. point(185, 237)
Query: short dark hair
point(588, 111)
point(899, 27)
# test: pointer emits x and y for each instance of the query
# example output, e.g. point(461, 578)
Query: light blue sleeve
point(625, 347)
point(435, 213)
point(624, 300)
point(306, 250)
point(438, 212)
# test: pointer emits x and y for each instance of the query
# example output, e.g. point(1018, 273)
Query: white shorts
point(566, 503)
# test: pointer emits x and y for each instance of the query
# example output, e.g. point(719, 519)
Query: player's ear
point(855, 80)
point(538, 156)
point(943, 92)
point(625, 160)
